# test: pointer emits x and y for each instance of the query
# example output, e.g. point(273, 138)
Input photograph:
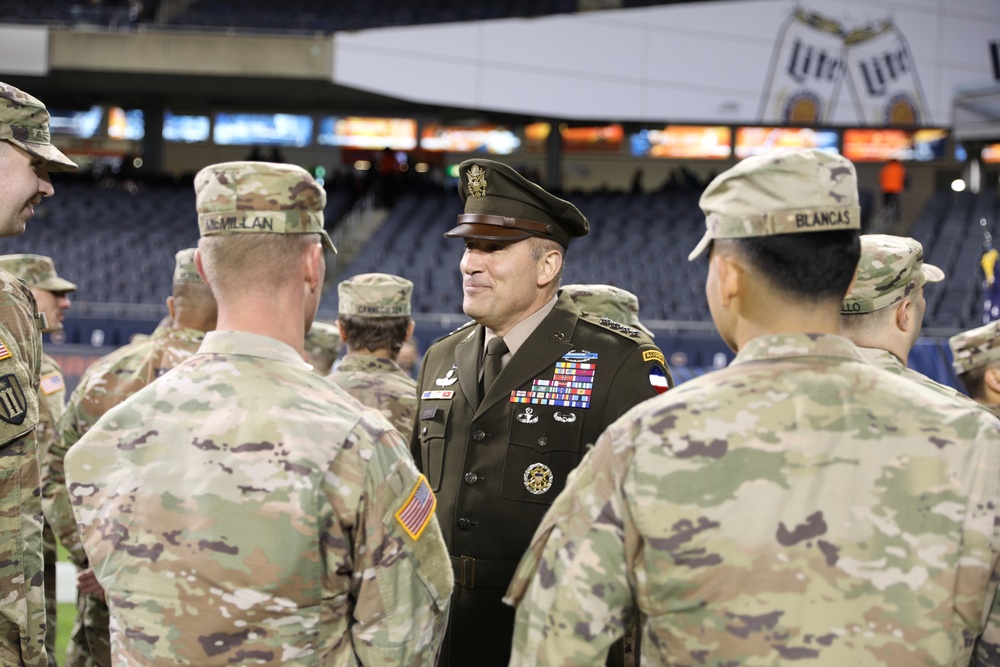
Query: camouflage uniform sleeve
point(402, 573)
point(571, 589)
point(59, 511)
point(987, 651)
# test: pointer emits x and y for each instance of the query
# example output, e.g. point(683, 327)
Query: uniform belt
point(482, 573)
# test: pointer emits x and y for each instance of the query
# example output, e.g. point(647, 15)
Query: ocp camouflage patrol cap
point(374, 295)
point(185, 270)
point(323, 341)
point(36, 271)
point(24, 122)
point(891, 268)
point(260, 198)
point(785, 192)
point(502, 205)
point(608, 301)
point(975, 348)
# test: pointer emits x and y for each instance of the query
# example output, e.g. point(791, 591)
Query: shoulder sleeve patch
point(52, 383)
point(418, 509)
point(4, 351)
point(654, 355)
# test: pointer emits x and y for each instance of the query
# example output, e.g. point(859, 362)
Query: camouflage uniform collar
point(883, 359)
point(789, 346)
point(367, 362)
point(251, 345)
point(184, 334)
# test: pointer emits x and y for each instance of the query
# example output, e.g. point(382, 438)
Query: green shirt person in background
point(269, 516)
point(800, 506)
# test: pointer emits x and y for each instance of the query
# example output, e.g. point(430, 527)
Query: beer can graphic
point(882, 77)
point(806, 72)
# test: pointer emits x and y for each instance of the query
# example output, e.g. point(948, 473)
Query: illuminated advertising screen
point(399, 134)
point(126, 124)
point(683, 141)
point(185, 129)
point(258, 129)
point(865, 145)
point(991, 153)
point(761, 140)
point(456, 139)
point(82, 124)
point(600, 138)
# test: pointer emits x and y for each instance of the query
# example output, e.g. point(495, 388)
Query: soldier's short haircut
point(237, 262)
point(374, 333)
point(869, 324)
point(816, 265)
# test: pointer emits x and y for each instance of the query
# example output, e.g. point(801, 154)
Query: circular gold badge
point(538, 478)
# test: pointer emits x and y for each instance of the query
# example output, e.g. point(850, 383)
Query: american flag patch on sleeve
point(4, 352)
point(418, 509)
point(51, 383)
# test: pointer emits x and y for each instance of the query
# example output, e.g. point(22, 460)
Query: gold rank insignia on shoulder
point(538, 478)
point(477, 181)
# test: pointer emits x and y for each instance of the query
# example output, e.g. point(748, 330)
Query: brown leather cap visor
point(500, 228)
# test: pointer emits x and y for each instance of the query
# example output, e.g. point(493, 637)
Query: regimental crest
point(13, 407)
point(477, 181)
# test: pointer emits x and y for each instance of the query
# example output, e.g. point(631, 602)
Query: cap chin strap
point(538, 228)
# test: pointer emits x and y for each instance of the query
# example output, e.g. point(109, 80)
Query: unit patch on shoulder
point(658, 379)
point(654, 355)
point(13, 407)
point(418, 509)
point(51, 383)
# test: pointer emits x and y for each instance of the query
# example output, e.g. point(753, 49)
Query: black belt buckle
point(467, 572)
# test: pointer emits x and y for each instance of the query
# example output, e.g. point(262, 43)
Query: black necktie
point(492, 365)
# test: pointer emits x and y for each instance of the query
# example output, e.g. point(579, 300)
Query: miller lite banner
point(811, 63)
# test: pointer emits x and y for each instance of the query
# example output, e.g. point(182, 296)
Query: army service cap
point(891, 268)
point(36, 271)
point(185, 270)
point(24, 122)
point(608, 301)
point(502, 205)
point(374, 295)
point(975, 348)
point(785, 192)
point(259, 198)
point(323, 341)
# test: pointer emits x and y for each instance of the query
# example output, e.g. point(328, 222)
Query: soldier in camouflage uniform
point(26, 157)
point(109, 381)
point(976, 360)
point(614, 303)
point(51, 295)
point(374, 320)
point(884, 311)
point(801, 506)
point(242, 509)
point(322, 347)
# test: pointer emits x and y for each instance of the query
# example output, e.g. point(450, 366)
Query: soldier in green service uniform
point(884, 311)
point(800, 506)
point(242, 509)
point(976, 360)
point(51, 294)
point(26, 157)
point(322, 347)
point(109, 381)
point(374, 320)
point(510, 402)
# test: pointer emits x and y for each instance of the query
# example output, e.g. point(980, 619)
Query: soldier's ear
point(992, 379)
point(549, 267)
